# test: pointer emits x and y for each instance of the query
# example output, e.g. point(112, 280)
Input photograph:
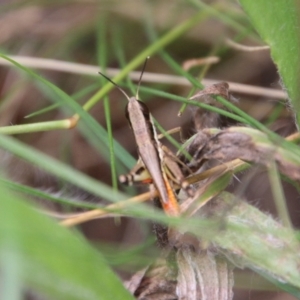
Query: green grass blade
point(32, 192)
point(278, 24)
point(43, 110)
point(195, 103)
point(177, 68)
point(50, 258)
point(119, 52)
point(248, 119)
point(217, 11)
point(92, 129)
point(76, 96)
point(153, 48)
point(59, 169)
point(102, 58)
point(282, 285)
point(35, 127)
point(278, 194)
point(169, 137)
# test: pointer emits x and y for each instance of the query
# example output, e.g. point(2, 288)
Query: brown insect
point(149, 148)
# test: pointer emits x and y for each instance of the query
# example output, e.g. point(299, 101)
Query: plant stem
point(153, 48)
point(35, 127)
point(278, 195)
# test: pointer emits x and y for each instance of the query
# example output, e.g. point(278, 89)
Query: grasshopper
point(149, 148)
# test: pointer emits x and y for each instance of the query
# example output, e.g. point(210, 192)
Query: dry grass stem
point(196, 62)
point(245, 48)
point(98, 213)
point(76, 68)
point(76, 219)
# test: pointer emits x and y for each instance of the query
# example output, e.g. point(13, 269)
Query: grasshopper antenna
point(139, 83)
point(117, 86)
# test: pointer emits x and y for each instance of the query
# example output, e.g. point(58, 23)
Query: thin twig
point(97, 213)
point(245, 48)
point(106, 211)
point(75, 68)
point(195, 62)
point(230, 166)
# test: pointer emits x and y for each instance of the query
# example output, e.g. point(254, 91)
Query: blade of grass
point(36, 127)
point(196, 103)
point(227, 104)
point(59, 169)
point(76, 96)
point(201, 76)
point(153, 48)
point(172, 140)
point(278, 194)
point(215, 185)
point(92, 129)
point(247, 119)
point(49, 258)
point(275, 114)
point(11, 285)
point(177, 68)
point(281, 285)
point(118, 49)
point(217, 11)
point(32, 192)
point(102, 58)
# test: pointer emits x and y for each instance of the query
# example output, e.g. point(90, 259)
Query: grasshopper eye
point(144, 109)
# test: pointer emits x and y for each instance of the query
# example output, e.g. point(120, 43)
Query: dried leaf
point(159, 282)
point(244, 143)
point(218, 89)
point(207, 119)
point(186, 274)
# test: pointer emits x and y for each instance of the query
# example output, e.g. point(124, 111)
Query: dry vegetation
point(74, 31)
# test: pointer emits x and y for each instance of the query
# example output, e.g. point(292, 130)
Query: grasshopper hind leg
point(138, 174)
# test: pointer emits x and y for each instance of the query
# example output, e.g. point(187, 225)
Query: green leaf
point(255, 240)
point(35, 251)
point(277, 22)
